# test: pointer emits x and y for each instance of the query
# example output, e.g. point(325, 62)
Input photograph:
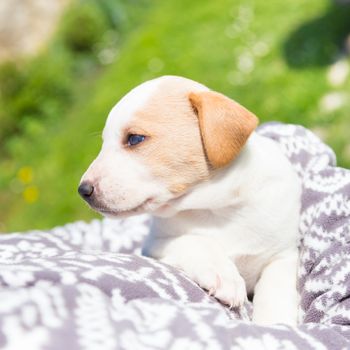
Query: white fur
point(248, 216)
point(233, 234)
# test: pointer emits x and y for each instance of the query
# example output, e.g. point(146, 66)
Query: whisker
point(95, 133)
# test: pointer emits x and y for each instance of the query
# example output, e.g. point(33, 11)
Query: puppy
point(225, 201)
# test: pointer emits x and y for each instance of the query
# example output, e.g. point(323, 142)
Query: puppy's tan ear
point(225, 126)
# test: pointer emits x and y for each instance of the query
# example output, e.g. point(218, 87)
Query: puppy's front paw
point(219, 277)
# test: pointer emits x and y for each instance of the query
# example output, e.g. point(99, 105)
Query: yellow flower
point(31, 194)
point(25, 175)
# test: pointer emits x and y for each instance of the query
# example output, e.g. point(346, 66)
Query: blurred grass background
point(285, 61)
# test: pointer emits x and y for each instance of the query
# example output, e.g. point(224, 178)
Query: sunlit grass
point(238, 48)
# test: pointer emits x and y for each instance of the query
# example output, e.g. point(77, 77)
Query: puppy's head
point(161, 139)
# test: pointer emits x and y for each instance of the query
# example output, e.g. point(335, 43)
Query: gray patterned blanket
point(85, 285)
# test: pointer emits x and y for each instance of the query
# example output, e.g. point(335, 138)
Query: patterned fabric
point(85, 285)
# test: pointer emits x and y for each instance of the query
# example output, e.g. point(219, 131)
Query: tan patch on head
point(173, 148)
point(225, 126)
point(189, 130)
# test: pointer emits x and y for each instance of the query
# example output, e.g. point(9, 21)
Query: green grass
point(252, 51)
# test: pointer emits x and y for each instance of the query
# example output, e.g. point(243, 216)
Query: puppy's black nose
point(86, 190)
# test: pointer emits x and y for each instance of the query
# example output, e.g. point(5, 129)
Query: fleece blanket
point(86, 286)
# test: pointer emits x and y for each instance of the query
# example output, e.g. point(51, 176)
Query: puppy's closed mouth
point(121, 212)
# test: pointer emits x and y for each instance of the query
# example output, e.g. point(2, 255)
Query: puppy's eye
point(134, 139)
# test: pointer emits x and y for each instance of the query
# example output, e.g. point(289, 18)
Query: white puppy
point(225, 201)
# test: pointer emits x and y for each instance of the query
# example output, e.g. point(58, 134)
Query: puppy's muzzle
point(86, 190)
